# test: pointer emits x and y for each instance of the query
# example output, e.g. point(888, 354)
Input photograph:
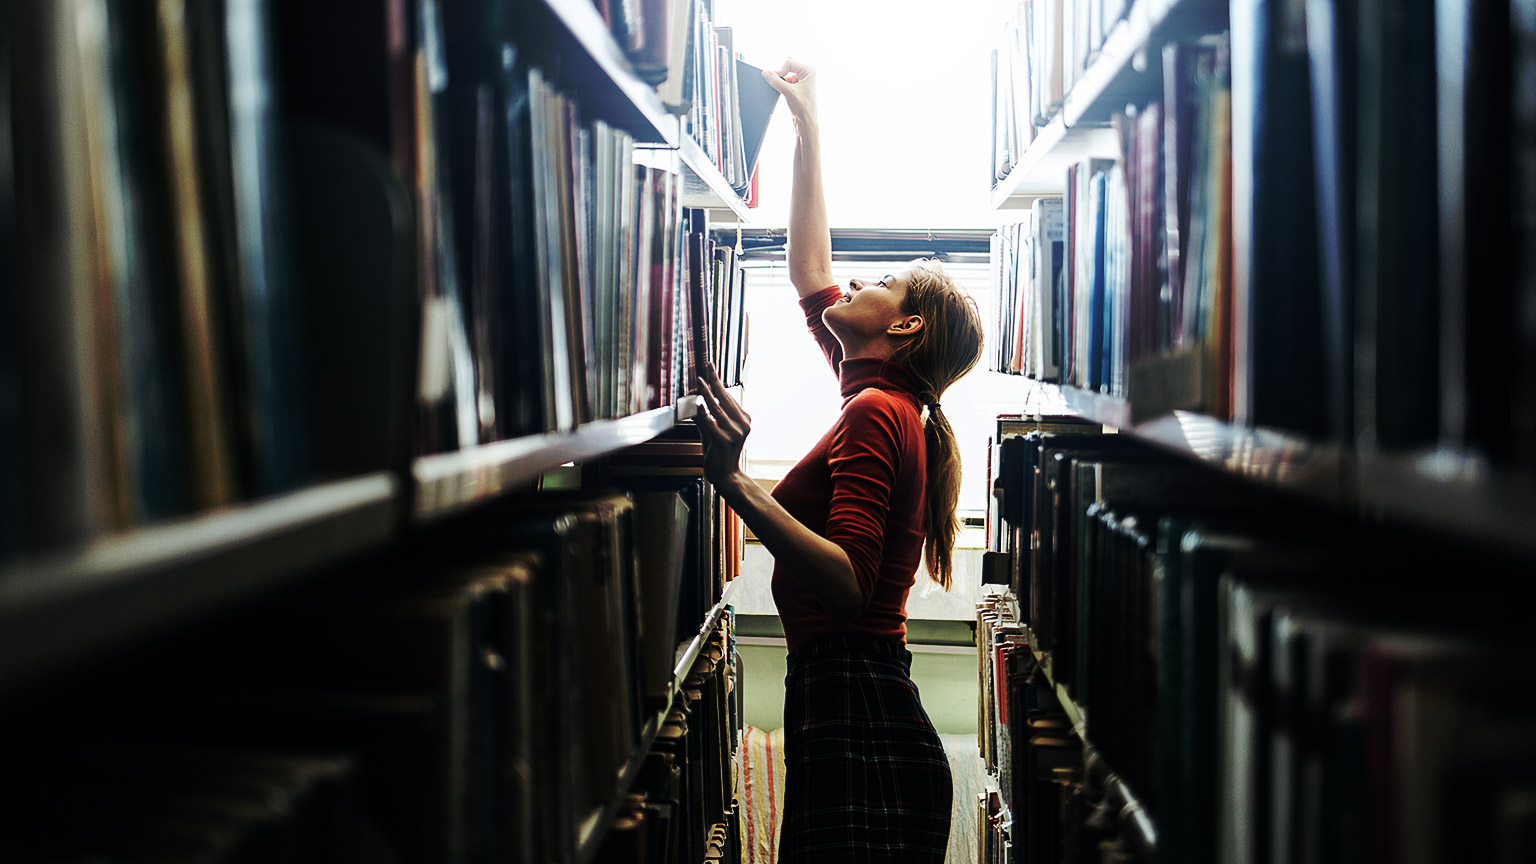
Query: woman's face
point(868, 308)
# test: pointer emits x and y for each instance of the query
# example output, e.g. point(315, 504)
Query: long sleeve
point(814, 305)
point(864, 456)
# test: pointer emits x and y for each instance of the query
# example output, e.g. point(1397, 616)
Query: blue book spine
point(1097, 311)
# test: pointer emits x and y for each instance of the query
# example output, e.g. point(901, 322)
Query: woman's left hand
point(724, 426)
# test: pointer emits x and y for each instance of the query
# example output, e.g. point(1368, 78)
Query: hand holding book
point(797, 81)
point(724, 426)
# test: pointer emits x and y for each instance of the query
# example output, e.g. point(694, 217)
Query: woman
point(867, 779)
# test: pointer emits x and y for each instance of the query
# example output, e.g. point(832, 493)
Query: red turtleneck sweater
point(861, 487)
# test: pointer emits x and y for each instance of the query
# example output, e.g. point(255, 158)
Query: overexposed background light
point(905, 104)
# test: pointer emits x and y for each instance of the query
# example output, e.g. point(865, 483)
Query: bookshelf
point(1132, 813)
point(595, 826)
point(1271, 309)
point(1120, 71)
point(1442, 490)
point(446, 483)
point(72, 605)
point(612, 81)
point(455, 165)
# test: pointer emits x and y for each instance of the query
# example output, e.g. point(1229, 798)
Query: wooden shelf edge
point(585, 24)
point(446, 483)
point(68, 606)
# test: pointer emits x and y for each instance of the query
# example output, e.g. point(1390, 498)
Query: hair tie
point(933, 406)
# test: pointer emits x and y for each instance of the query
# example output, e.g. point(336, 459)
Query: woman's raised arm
point(810, 240)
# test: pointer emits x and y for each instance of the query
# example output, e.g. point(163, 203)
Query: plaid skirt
point(865, 776)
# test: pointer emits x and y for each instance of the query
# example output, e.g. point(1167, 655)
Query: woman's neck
point(879, 349)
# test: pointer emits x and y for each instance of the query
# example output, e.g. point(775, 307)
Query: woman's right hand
point(797, 81)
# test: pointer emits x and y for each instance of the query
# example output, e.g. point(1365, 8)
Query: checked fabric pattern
point(866, 777)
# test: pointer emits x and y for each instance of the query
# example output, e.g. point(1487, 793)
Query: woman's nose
point(855, 285)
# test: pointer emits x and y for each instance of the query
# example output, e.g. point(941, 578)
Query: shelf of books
point(67, 605)
point(1242, 594)
point(694, 667)
point(1173, 621)
point(1439, 490)
point(1023, 702)
point(649, 67)
point(294, 309)
point(1073, 86)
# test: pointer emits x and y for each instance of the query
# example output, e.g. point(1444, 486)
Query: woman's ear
point(908, 326)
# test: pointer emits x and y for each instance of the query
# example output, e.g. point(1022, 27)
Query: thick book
point(271, 402)
point(1272, 132)
point(1331, 45)
point(354, 239)
point(1472, 105)
point(63, 479)
point(10, 487)
point(661, 530)
point(1397, 389)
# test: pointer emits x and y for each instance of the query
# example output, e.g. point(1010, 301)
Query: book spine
point(698, 309)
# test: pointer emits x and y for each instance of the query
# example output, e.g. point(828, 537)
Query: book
point(271, 397)
point(1397, 335)
point(63, 480)
point(1331, 47)
point(1281, 353)
point(354, 234)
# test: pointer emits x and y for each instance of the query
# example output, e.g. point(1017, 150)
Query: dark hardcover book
point(661, 527)
point(354, 235)
point(1098, 306)
point(271, 358)
point(10, 487)
point(1243, 824)
point(527, 386)
point(758, 101)
point(1072, 206)
point(1523, 132)
point(1472, 45)
point(478, 209)
point(62, 479)
point(582, 256)
point(601, 618)
point(1331, 45)
point(1178, 152)
point(1275, 199)
point(153, 469)
point(1397, 330)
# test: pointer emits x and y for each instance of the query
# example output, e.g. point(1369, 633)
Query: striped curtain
point(760, 787)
